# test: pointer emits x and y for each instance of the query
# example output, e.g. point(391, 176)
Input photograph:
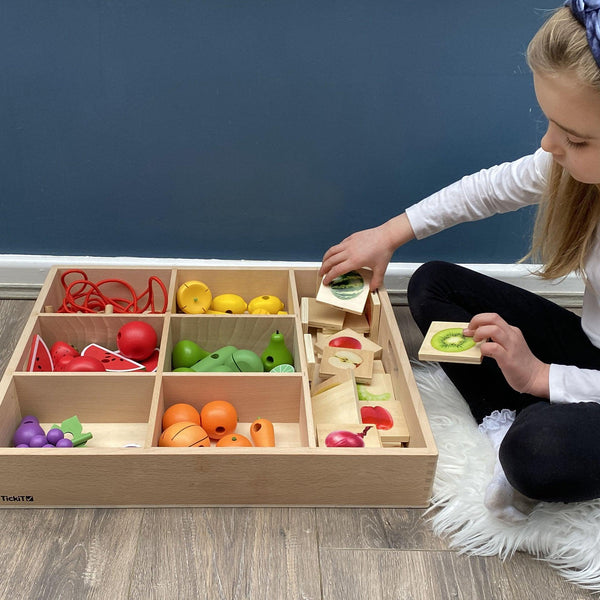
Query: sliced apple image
point(345, 359)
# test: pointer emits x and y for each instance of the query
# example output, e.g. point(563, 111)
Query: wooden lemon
point(229, 303)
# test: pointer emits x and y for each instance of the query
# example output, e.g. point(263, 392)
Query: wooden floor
point(247, 553)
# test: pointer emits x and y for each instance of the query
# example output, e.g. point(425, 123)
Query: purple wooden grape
point(26, 430)
point(54, 435)
point(38, 440)
point(64, 443)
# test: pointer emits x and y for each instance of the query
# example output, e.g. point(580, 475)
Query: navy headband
point(587, 12)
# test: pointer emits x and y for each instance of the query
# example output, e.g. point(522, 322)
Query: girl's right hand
point(371, 248)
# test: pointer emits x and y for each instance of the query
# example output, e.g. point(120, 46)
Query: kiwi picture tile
point(432, 348)
point(348, 292)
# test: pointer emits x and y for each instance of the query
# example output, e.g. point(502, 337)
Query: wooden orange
point(218, 418)
point(180, 412)
point(234, 439)
point(184, 435)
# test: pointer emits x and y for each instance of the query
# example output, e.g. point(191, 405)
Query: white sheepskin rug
point(567, 536)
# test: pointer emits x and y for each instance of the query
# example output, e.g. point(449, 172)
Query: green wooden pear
point(276, 353)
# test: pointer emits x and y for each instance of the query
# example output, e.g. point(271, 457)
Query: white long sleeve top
point(501, 189)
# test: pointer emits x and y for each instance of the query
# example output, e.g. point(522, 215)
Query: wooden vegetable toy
point(276, 353)
point(184, 435)
point(346, 439)
point(194, 297)
point(262, 433)
point(230, 360)
point(218, 418)
point(178, 413)
point(234, 440)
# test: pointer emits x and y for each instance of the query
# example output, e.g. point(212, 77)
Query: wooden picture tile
point(373, 314)
point(389, 419)
point(338, 404)
point(335, 360)
point(358, 323)
point(310, 355)
point(348, 292)
point(470, 355)
point(379, 390)
point(323, 315)
point(371, 438)
point(365, 343)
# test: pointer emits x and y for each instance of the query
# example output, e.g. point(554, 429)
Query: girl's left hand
point(523, 371)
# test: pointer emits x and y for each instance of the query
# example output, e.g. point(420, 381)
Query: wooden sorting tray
point(122, 465)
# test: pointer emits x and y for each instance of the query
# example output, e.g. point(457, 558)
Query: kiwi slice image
point(451, 340)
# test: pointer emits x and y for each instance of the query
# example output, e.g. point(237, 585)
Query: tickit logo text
point(16, 498)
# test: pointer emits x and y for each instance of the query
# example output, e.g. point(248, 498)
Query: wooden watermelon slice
point(150, 363)
point(39, 359)
point(112, 361)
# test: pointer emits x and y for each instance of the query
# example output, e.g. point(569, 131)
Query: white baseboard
point(21, 275)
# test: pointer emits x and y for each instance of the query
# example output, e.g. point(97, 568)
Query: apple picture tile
point(335, 360)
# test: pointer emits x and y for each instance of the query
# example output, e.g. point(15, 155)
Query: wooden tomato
point(184, 435)
point(218, 418)
point(233, 440)
point(180, 412)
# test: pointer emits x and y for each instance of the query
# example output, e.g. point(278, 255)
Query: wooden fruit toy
point(229, 303)
point(136, 340)
point(265, 305)
point(178, 413)
point(234, 440)
point(194, 297)
point(184, 435)
point(218, 418)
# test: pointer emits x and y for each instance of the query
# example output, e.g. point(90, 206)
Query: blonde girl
point(537, 392)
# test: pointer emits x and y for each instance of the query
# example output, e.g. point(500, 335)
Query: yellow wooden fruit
point(194, 297)
point(271, 304)
point(229, 303)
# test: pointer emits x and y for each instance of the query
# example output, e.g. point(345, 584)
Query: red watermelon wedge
point(112, 361)
point(151, 363)
point(39, 356)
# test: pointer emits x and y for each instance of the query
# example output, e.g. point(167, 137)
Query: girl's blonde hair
point(568, 215)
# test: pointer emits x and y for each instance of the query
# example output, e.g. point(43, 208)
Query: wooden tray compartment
point(115, 409)
point(81, 330)
point(248, 332)
point(279, 398)
point(53, 294)
point(248, 283)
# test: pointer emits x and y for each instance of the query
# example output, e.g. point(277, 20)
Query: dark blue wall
point(255, 129)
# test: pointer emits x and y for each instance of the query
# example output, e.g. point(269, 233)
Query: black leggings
point(552, 451)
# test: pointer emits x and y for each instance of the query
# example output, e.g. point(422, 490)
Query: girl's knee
point(545, 455)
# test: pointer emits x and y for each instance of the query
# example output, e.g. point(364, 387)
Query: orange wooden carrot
point(262, 433)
